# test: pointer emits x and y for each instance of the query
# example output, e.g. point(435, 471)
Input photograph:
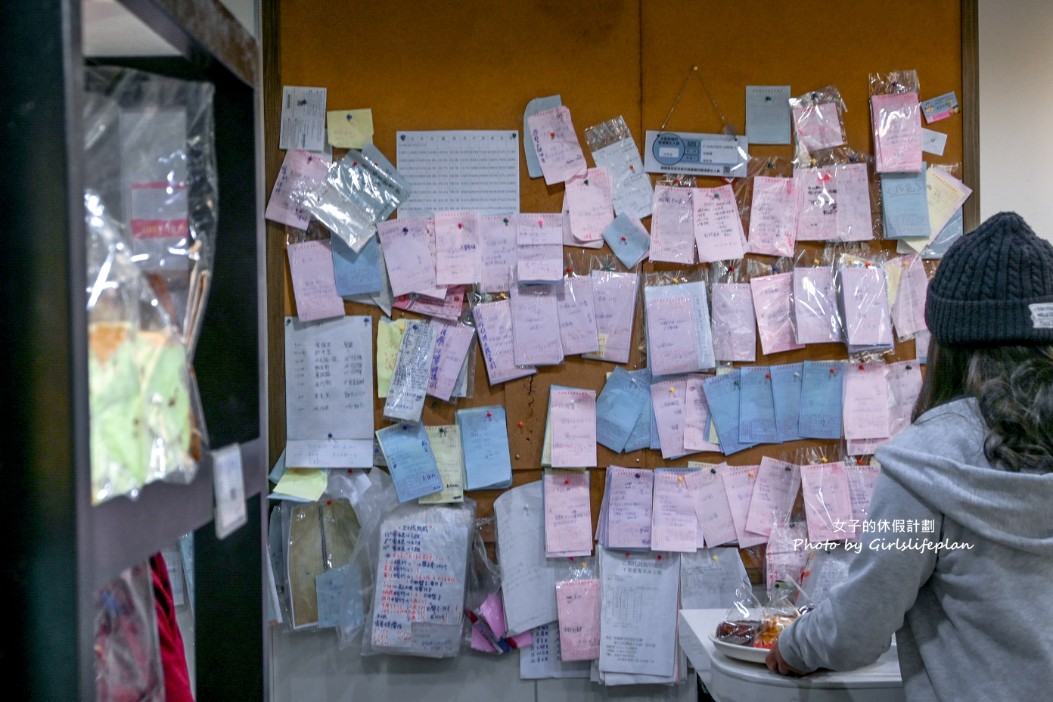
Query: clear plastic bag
point(742, 620)
point(576, 309)
point(719, 235)
point(816, 319)
point(734, 320)
point(773, 215)
point(862, 294)
point(412, 372)
point(679, 334)
point(895, 116)
point(613, 147)
point(126, 646)
point(614, 295)
point(818, 123)
point(672, 225)
point(824, 570)
point(578, 604)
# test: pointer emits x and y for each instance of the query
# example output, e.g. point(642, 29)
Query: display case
point(58, 546)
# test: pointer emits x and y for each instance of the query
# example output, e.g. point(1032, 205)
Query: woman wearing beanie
point(968, 600)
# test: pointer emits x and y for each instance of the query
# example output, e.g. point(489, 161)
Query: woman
point(963, 580)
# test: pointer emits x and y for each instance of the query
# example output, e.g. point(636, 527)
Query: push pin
point(521, 424)
point(751, 474)
point(658, 557)
point(624, 239)
point(489, 415)
point(713, 471)
point(460, 226)
point(551, 135)
point(566, 481)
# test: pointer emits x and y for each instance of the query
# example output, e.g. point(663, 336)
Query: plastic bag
point(498, 237)
point(672, 225)
point(578, 604)
point(127, 650)
point(719, 235)
point(614, 297)
point(787, 602)
point(863, 301)
point(824, 570)
point(409, 379)
point(492, 316)
point(817, 122)
point(676, 310)
point(895, 116)
point(734, 320)
point(536, 332)
point(612, 147)
point(576, 308)
point(742, 620)
point(815, 318)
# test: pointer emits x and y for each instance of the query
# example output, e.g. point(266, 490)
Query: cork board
point(430, 65)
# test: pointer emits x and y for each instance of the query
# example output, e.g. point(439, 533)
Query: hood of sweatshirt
point(940, 460)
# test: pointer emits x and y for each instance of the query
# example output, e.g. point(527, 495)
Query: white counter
point(730, 680)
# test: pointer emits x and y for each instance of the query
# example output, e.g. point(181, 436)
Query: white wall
point(1016, 110)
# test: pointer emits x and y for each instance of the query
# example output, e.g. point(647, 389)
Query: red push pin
point(329, 502)
point(540, 223)
point(460, 226)
point(632, 167)
point(521, 424)
point(569, 270)
point(626, 556)
point(354, 164)
point(768, 376)
point(833, 371)
point(659, 557)
point(624, 239)
point(862, 367)
point(552, 135)
point(489, 415)
point(567, 481)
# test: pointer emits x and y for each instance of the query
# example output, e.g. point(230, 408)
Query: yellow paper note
point(917, 244)
point(893, 272)
point(350, 129)
point(389, 336)
point(446, 447)
point(945, 194)
point(305, 483)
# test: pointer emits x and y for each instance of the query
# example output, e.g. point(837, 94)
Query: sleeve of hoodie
point(855, 624)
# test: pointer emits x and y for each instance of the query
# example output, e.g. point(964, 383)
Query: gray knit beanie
point(993, 286)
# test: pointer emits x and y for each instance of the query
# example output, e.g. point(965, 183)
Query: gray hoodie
point(974, 619)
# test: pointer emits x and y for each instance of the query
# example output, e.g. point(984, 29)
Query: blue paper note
point(410, 460)
point(484, 440)
point(905, 205)
point(656, 439)
point(356, 273)
point(722, 394)
point(757, 407)
point(821, 384)
point(618, 408)
point(935, 249)
point(533, 107)
point(628, 239)
point(640, 436)
point(768, 114)
point(786, 397)
point(339, 600)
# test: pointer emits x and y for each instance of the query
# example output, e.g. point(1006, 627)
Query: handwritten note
point(818, 125)
point(946, 195)
point(577, 316)
point(773, 496)
point(905, 206)
point(535, 326)
point(556, 143)
point(314, 284)
point(674, 526)
point(410, 263)
point(816, 204)
point(628, 239)
point(697, 417)
point(618, 408)
point(815, 305)
point(409, 459)
point(329, 393)
point(786, 396)
point(389, 338)
point(861, 481)
point(493, 322)
point(827, 501)
point(670, 336)
point(445, 442)
point(498, 235)
point(865, 300)
point(865, 412)
point(668, 399)
point(356, 272)
point(539, 248)
point(821, 390)
point(578, 604)
point(457, 260)
point(738, 486)
point(772, 304)
point(672, 225)
point(568, 514)
point(709, 578)
point(723, 394)
point(756, 406)
point(908, 310)
point(613, 148)
point(350, 129)
point(301, 174)
point(572, 412)
point(542, 659)
point(484, 436)
point(447, 307)
point(773, 216)
point(409, 380)
point(717, 225)
point(695, 292)
point(589, 206)
point(630, 499)
point(452, 343)
point(896, 121)
point(854, 220)
point(614, 295)
point(734, 323)
point(711, 507)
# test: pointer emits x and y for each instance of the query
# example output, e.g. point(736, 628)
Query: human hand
point(777, 664)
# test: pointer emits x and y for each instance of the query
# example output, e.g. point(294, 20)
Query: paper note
point(484, 436)
point(674, 526)
point(457, 259)
point(768, 114)
point(631, 188)
point(905, 205)
point(630, 497)
point(697, 417)
point(539, 248)
point(578, 604)
point(865, 411)
point(614, 295)
point(722, 394)
point(827, 501)
point(773, 216)
point(861, 481)
point(896, 121)
point(568, 514)
point(498, 235)
point(816, 204)
point(493, 322)
point(773, 496)
point(670, 338)
point(908, 309)
point(577, 316)
point(589, 206)
point(535, 326)
point(865, 300)
point(628, 239)
point(854, 218)
point(711, 506)
point(528, 578)
point(350, 129)
point(640, 436)
point(695, 292)
point(307, 484)
point(329, 393)
point(818, 126)
point(409, 459)
point(786, 397)
point(756, 407)
point(301, 173)
point(303, 118)
point(738, 486)
point(542, 660)
point(445, 442)
point(771, 303)
point(533, 107)
point(933, 142)
point(556, 144)
point(940, 107)
point(946, 195)
point(638, 616)
point(668, 399)
point(573, 415)
point(409, 380)
point(473, 170)
point(356, 273)
point(815, 305)
point(452, 343)
point(709, 578)
point(821, 389)
point(448, 307)
point(618, 408)
point(410, 263)
point(389, 338)
point(672, 225)
point(717, 225)
point(734, 323)
point(314, 283)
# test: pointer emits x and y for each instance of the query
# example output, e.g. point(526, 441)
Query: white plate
point(742, 653)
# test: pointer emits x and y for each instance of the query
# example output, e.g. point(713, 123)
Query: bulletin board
point(475, 64)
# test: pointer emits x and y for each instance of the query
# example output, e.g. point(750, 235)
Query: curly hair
point(1013, 387)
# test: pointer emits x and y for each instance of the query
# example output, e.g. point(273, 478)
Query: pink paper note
point(815, 305)
point(672, 225)
point(818, 126)
point(896, 121)
point(738, 486)
point(556, 143)
point(773, 216)
point(301, 174)
point(614, 296)
point(568, 236)
point(578, 605)
point(908, 312)
point(865, 407)
point(711, 507)
point(827, 502)
point(572, 412)
point(493, 323)
point(734, 323)
point(771, 303)
point(671, 338)
point(410, 264)
point(861, 481)
point(535, 326)
point(568, 515)
point(718, 227)
point(314, 284)
point(448, 307)
point(452, 342)
point(773, 494)
point(867, 318)
point(539, 248)
point(668, 399)
point(674, 526)
point(816, 204)
point(589, 206)
point(577, 316)
point(696, 417)
point(854, 215)
point(497, 247)
point(630, 497)
point(457, 260)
